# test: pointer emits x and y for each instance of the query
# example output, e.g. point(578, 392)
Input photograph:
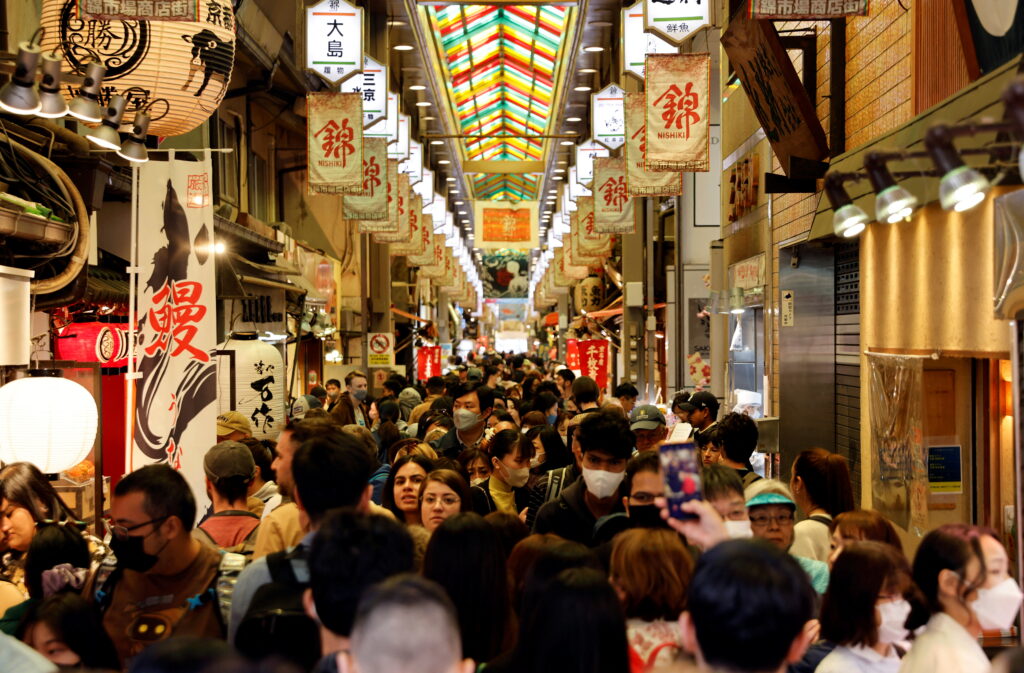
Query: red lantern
point(102, 342)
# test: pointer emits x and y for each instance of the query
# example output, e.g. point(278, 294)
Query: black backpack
point(275, 623)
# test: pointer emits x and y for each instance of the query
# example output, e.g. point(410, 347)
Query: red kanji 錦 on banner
point(428, 362)
point(335, 143)
point(572, 354)
point(678, 112)
point(594, 360)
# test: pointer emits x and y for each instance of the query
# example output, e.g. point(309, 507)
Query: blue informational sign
point(944, 470)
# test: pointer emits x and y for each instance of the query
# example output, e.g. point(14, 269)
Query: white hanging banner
point(425, 187)
point(677, 20)
point(334, 39)
point(576, 190)
point(586, 152)
point(608, 117)
point(637, 43)
point(176, 393)
point(373, 85)
point(413, 166)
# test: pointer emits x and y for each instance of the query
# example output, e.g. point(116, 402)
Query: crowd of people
point(508, 517)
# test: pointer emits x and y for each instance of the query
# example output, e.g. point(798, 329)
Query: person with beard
point(163, 575)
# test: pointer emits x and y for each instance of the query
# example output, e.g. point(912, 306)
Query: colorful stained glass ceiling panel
point(496, 186)
point(501, 67)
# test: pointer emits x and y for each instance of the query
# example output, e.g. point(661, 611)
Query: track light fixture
point(86, 105)
point(105, 135)
point(893, 202)
point(849, 220)
point(960, 187)
point(19, 95)
point(134, 146)
point(52, 103)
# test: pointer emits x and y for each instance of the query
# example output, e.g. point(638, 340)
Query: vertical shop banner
point(335, 143)
point(613, 207)
point(428, 362)
point(900, 471)
point(586, 240)
point(175, 396)
point(784, 10)
point(399, 199)
point(572, 354)
point(678, 112)
point(639, 180)
point(594, 360)
point(586, 153)
point(371, 203)
point(426, 250)
point(387, 204)
point(416, 243)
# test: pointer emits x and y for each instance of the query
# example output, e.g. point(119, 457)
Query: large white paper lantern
point(258, 383)
point(46, 420)
point(182, 68)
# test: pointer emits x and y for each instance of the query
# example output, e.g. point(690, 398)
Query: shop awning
point(226, 227)
point(980, 99)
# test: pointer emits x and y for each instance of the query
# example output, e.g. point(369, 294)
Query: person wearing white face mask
point(506, 489)
point(472, 407)
point(605, 444)
point(949, 569)
point(864, 611)
point(999, 599)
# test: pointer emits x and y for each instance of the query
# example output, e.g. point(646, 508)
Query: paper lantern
point(590, 294)
point(181, 68)
point(46, 420)
point(258, 383)
point(103, 342)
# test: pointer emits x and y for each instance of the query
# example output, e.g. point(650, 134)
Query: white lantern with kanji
point(256, 382)
point(46, 420)
point(180, 65)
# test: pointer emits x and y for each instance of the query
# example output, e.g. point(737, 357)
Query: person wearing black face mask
point(164, 579)
point(643, 483)
point(351, 408)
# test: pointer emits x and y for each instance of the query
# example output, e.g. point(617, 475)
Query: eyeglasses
point(446, 500)
point(642, 497)
point(762, 520)
point(122, 532)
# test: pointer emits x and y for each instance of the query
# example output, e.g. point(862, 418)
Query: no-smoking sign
point(382, 349)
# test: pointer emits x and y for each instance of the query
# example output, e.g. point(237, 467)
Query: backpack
point(276, 622)
point(245, 547)
point(556, 483)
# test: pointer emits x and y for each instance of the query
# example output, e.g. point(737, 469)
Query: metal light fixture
point(86, 105)
point(961, 187)
point(736, 301)
point(19, 96)
point(134, 146)
point(105, 135)
point(52, 103)
point(848, 220)
point(893, 202)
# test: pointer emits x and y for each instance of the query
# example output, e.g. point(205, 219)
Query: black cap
point(705, 400)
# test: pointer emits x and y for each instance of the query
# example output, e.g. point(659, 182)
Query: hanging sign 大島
point(639, 180)
point(613, 207)
point(335, 143)
point(371, 203)
point(334, 39)
point(678, 112)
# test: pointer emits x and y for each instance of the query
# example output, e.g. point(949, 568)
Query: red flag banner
point(613, 207)
point(335, 143)
point(678, 112)
point(400, 196)
point(428, 362)
point(639, 180)
point(594, 360)
point(371, 203)
point(572, 354)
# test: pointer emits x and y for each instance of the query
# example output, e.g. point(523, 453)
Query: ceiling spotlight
point(459, 203)
point(423, 103)
point(601, 24)
point(961, 186)
point(462, 212)
point(417, 87)
point(552, 191)
point(450, 179)
point(437, 142)
point(593, 49)
point(52, 103)
point(403, 47)
point(587, 71)
point(567, 143)
point(562, 162)
point(737, 301)
point(445, 162)
point(892, 201)
point(582, 87)
point(86, 106)
point(19, 95)
point(134, 146)
point(573, 119)
point(849, 220)
point(465, 221)
point(557, 177)
point(105, 135)
point(559, 170)
point(428, 119)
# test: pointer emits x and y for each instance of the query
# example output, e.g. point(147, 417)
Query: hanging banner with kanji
point(613, 207)
point(175, 414)
point(389, 223)
point(807, 9)
point(334, 39)
point(678, 113)
point(371, 203)
point(572, 354)
point(678, 21)
point(586, 239)
point(436, 270)
point(417, 241)
point(372, 85)
point(639, 180)
point(594, 360)
point(335, 143)
point(426, 239)
point(500, 224)
point(586, 152)
point(574, 257)
point(399, 198)
point(433, 252)
point(428, 362)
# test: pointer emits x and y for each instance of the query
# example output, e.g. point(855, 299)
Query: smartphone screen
point(680, 467)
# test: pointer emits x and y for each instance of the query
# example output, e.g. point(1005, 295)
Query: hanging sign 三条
point(372, 85)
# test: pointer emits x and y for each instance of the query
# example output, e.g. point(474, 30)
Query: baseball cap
point(767, 498)
point(304, 404)
point(228, 459)
point(319, 392)
point(233, 421)
point(475, 374)
point(646, 417)
point(704, 400)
